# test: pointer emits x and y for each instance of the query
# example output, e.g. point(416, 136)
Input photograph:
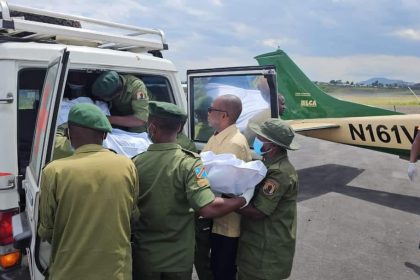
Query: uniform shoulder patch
point(140, 95)
point(200, 172)
point(201, 176)
point(270, 187)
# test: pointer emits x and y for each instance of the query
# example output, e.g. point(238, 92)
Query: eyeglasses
point(210, 109)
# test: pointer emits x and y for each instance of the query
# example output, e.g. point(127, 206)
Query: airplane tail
point(304, 100)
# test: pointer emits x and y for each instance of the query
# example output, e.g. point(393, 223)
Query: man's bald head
point(232, 105)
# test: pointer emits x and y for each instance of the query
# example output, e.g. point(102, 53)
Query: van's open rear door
point(42, 150)
point(254, 85)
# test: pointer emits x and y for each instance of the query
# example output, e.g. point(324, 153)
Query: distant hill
point(415, 86)
point(385, 81)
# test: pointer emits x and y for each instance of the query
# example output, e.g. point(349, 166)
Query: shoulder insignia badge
point(200, 172)
point(140, 95)
point(201, 176)
point(270, 187)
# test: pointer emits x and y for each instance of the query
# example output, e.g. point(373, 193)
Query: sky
point(350, 40)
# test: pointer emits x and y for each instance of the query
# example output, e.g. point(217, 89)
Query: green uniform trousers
point(145, 275)
point(242, 275)
point(202, 248)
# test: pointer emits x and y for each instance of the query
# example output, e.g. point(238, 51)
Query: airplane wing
point(307, 126)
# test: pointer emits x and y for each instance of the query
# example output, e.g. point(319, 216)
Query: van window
point(30, 82)
point(252, 89)
point(158, 88)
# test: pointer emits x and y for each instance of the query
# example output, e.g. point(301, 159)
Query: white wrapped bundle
point(127, 143)
point(230, 175)
point(66, 104)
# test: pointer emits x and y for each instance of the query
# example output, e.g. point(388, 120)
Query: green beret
point(90, 116)
point(106, 84)
point(277, 131)
point(166, 110)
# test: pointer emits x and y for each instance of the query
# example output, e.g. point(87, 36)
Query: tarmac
point(358, 214)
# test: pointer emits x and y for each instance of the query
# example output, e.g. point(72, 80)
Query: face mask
point(258, 145)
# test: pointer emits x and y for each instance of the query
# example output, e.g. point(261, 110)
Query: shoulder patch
point(200, 172)
point(270, 187)
point(201, 176)
point(140, 95)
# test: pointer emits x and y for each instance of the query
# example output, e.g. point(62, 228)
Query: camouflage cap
point(90, 116)
point(277, 131)
point(106, 84)
point(166, 110)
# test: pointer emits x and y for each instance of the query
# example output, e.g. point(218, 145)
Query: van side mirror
point(22, 234)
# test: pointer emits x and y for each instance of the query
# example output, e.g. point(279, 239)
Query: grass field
point(382, 100)
point(399, 99)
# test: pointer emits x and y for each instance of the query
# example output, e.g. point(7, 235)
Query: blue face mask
point(258, 145)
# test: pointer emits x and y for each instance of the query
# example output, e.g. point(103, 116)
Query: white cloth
point(66, 104)
point(252, 101)
point(126, 143)
point(412, 171)
point(230, 175)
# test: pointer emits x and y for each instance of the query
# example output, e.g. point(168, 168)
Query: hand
point(247, 195)
point(412, 171)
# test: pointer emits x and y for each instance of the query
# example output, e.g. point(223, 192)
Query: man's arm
point(251, 212)
point(415, 148)
point(221, 206)
point(47, 207)
point(126, 121)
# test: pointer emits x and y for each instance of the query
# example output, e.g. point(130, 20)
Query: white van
point(35, 60)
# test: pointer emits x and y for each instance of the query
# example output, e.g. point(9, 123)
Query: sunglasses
point(211, 109)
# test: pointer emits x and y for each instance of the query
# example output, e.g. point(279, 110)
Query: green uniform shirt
point(86, 203)
point(172, 182)
point(267, 246)
point(133, 100)
point(185, 142)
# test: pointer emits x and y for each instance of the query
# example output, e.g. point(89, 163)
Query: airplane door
point(42, 149)
point(254, 85)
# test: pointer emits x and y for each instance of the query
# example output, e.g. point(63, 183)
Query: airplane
point(313, 113)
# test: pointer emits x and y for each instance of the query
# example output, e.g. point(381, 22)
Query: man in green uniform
point(267, 242)
point(87, 203)
point(202, 129)
point(128, 99)
point(173, 184)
